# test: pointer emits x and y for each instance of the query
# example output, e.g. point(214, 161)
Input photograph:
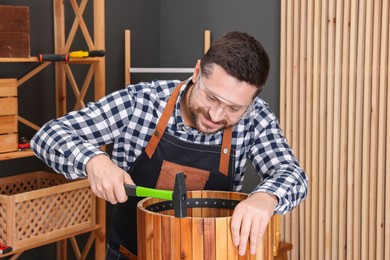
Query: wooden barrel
point(203, 234)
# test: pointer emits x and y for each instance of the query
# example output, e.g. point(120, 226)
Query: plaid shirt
point(127, 119)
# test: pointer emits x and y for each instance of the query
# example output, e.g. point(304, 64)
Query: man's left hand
point(250, 219)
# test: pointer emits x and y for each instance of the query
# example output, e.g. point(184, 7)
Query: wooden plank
point(175, 237)
point(302, 216)
point(373, 129)
point(358, 114)
point(59, 44)
point(353, 177)
point(141, 235)
point(127, 56)
point(295, 120)
point(232, 251)
point(315, 133)
point(335, 172)
point(99, 41)
point(166, 248)
point(15, 155)
point(207, 41)
point(185, 238)
point(267, 244)
point(8, 124)
point(381, 245)
point(288, 105)
point(331, 184)
point(8, 106)
point(8, 143)
point(221, 237)
point(387, 177)
point(148, 229)
point(99, 92)
point(365, 153)
point(283, 63)
point(323, 145)
point(343, 156)
point(309, 128)
point(157, 237)
point(209, 238)
point(197, 238)
point(8, 88)
point(60, 78)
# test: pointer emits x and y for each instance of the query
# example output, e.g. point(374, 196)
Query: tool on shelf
point(72, 54)
point(4, 249)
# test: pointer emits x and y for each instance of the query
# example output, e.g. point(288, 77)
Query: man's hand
point(106, 179)
point(250, 219)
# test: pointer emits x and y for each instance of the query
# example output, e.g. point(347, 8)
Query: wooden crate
point(8, 115)
point(14, 31)
point(41, 205)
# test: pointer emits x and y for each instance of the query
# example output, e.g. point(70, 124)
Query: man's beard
point(196, 111)
point(204, 129)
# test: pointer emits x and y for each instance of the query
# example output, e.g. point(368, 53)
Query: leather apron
point(208, 167)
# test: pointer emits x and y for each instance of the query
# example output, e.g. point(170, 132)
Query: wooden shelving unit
point(63, 72)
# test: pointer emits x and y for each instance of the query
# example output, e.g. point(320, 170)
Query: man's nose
point(217, 113)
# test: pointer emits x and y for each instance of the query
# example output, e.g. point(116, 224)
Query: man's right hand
point(106, 179)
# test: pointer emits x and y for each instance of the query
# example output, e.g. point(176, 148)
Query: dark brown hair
point(241, 56)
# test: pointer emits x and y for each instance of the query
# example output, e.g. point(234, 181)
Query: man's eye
point(234, 109)
point(212, 98)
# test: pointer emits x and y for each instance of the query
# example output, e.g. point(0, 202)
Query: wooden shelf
point(35, 59)
point(48, 241)
point(16, 155)
point(27, 59)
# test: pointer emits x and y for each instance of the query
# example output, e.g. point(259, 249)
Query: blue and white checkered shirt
point(127, 119)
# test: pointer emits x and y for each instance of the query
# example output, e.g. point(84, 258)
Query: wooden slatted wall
point(335, 112)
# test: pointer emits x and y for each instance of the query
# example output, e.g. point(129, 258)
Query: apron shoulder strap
point(225, 151)
point(163, 122)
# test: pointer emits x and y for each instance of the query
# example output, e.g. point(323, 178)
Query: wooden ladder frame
point(97, 73)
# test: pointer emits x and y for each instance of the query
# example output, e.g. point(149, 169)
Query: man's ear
point(196, 73)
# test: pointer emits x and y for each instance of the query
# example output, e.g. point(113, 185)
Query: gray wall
point(164, 33)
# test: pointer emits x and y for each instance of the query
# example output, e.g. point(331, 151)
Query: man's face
point(218, 101)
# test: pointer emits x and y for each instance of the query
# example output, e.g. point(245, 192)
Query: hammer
point(178, 196)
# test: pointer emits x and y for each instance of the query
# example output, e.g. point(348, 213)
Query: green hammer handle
point(139, 191)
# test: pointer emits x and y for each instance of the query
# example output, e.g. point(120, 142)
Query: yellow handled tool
point(72, 54)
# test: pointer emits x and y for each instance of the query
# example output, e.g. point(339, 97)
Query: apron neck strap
point(163, 122)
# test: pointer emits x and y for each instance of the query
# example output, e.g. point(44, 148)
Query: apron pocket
point(195, 178)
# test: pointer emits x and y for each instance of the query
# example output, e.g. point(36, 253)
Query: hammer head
point(179, 196)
